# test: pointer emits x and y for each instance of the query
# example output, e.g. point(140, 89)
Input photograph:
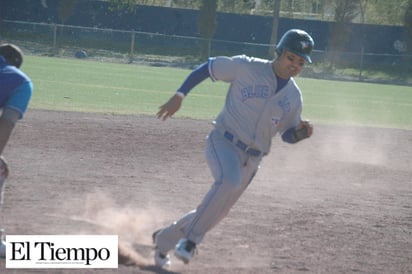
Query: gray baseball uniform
point(255, 111)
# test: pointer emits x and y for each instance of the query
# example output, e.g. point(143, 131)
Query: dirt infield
point(340, 202)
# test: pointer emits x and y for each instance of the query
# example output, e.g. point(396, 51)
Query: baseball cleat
point(161, 260)
point(2, 250)
point(185, 249)
point(2, 245)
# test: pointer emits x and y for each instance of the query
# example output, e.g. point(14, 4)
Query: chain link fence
point(182, 51)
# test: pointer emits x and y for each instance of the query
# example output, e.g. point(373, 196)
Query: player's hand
point(170, 107)
point(307, 125)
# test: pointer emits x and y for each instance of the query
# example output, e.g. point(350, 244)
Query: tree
point(384, 12)
point(345, 12)
point(407, 22)
point(363, 4)
point(275, 26)
point(66, 9)
point(207, 25)
point(123, 4)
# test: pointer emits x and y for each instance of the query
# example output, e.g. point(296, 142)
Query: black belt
point(241, 145)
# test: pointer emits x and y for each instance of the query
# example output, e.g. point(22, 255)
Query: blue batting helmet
point(298, 42)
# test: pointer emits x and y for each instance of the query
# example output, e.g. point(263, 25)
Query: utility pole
point(275, 26)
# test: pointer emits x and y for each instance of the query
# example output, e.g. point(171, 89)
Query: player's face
point(289, 65)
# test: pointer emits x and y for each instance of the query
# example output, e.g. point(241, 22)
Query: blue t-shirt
point(15, 87)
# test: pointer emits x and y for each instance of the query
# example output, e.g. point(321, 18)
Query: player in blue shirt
point(15, 93)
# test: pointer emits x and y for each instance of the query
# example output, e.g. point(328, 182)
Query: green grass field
point(89, 86)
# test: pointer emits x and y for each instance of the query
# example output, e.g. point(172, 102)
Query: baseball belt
point(244, 147)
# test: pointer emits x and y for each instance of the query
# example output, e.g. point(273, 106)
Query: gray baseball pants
point(232, 170)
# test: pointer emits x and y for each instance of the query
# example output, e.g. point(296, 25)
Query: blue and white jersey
point(15, 88)
point(255, 111)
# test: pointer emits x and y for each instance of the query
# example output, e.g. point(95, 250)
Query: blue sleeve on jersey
point(19, 99)
point(289, 136)
point(194, 78)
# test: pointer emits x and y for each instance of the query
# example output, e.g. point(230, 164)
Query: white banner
point(61, 251)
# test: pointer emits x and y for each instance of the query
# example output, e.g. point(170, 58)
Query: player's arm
point(174, 103)
point(295, 134)
point(13, 111)
point(197, 76)
point(8, 119)
point(6, 127)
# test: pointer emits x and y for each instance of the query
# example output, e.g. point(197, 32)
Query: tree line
point(379, 12)
point(341, 12)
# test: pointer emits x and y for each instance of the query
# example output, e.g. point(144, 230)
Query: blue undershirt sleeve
point(194, 78)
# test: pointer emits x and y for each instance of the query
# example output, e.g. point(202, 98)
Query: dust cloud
point(134, 226)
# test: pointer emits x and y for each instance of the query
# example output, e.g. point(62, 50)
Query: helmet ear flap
point(279, 50)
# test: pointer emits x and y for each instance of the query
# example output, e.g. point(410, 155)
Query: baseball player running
point(15, 93)
point(263, 99)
